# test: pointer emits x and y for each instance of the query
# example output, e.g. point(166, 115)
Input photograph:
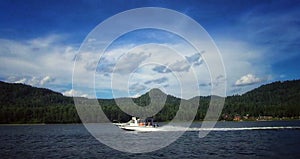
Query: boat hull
point(139, 128)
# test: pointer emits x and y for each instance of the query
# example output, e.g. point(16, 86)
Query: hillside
point(277, 99)
point(27, 96)
point(21, 103)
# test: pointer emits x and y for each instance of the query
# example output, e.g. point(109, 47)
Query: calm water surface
point(74, 141)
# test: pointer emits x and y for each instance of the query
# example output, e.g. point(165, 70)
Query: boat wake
point(178, 128)
point(147, 125)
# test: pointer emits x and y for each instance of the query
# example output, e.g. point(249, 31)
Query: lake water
point(269, 139)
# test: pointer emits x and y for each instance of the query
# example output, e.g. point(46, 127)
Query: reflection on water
point(228, 139)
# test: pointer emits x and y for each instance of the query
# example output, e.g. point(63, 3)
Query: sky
point(41, 40)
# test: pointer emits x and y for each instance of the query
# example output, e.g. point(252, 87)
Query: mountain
point(17, 94)
point(277, 99)
point(21, 103)
point(287, 92)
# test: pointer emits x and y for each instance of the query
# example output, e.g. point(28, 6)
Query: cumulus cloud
point(180, 65)
point(122, 64)
point(161, 69)
point(248, 79)
point(185, 65)
point(150, 61)
point(38, 61)
point(46, 80)
point(74, 93)
point(91, 65)
point(105, 67)
point(22, 80)
point(139, 88)
point(30, 80)
point(195, 59)
point(157, 81)
point(136, 88)
point(129, 62)
point(54, 60)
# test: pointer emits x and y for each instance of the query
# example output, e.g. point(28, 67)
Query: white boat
point(139, 125)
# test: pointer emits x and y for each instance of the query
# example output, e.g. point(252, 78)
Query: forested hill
point(16, 94)
point(277, 99)
point(275, 93)
point(21, 103)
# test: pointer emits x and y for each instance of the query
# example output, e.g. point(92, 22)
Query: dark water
point(74, 141)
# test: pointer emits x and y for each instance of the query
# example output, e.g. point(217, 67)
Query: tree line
point(21, 103)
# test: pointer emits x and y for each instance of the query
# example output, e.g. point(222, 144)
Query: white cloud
point(22, 80)
point(38, 62)
point(74, 93)
point(137, 88)
point(157, 81)
point(135, 71)
point(31, 80)
point(46, 80)
point(44, 42)
point(183, 65)
point(180, 66)
point(195, 59)
point(248, 79)
point(239, 59)
point(129, 62)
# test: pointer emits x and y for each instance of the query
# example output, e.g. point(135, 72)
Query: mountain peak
point(156, 90)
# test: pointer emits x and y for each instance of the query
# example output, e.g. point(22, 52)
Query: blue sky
point(258, 40)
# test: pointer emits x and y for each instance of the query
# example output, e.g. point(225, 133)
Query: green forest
point(21, 103)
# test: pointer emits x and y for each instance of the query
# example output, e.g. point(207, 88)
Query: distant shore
point(24, 124)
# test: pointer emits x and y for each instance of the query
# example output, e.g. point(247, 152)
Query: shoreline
point(39, 124)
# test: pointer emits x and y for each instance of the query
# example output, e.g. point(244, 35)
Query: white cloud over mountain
point(41, 62)
point(48, 62)
point(34, 81)
point(74, 93)
point(248, 79)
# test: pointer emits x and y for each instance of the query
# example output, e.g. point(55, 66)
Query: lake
point(276, 139)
